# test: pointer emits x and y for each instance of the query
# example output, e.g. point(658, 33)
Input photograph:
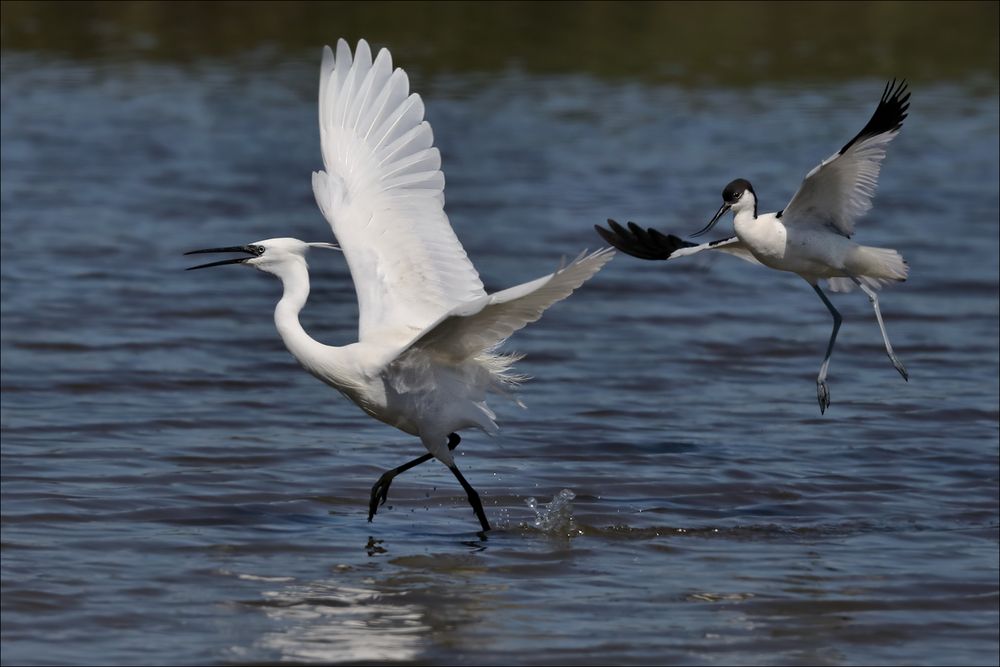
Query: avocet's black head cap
point(730, 195)
point(732, 192)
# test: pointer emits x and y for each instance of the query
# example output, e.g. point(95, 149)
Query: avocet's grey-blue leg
point(822, 391)
point(873, 297)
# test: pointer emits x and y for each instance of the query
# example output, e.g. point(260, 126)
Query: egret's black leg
point(822, 391)
point(477, 505)
point(380, 492)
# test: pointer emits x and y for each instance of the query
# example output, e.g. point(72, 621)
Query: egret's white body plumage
point(435, 382)
point(811, 236)
point(426, 354)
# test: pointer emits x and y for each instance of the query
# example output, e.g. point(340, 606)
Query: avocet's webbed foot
point(898, 365)
point(823, 395)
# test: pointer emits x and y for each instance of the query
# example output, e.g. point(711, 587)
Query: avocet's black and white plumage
point(428, 332)
point(811, 236)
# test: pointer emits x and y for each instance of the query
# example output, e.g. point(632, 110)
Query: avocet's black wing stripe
point(889, 114)
point(651, 244)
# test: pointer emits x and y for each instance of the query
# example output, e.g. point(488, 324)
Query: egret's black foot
point(380, 493)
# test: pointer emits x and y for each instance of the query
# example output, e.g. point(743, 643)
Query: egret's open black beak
point(235, 248)
point(722, 211)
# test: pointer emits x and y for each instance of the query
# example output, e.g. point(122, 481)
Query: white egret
point(428, 334)
point(811, 236)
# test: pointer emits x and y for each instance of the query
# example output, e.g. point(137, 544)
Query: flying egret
point(812, 235)
point(428, 334)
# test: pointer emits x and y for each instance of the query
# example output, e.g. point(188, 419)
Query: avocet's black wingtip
point(639, 242)
point(605, 234)
point(892, 110)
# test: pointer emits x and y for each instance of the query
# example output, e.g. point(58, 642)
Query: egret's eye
point(258, 249)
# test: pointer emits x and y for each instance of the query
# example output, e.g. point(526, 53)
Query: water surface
point(177, 490)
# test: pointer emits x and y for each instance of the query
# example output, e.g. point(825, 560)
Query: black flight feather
point(889, 114)
point(641, 243)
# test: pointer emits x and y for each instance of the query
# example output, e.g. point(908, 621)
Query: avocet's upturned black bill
point(428, 333)
point(811, 236)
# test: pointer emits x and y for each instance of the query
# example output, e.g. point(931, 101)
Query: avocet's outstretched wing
point(383, 194)
point(840, 189)
point(478, 326)
point(651, 244)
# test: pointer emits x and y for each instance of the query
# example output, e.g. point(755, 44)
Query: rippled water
point(176, 489)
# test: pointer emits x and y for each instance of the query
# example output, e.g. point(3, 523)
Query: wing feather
point(479, 326)
point(382, 192)
point(651, 244)
point(840, 189)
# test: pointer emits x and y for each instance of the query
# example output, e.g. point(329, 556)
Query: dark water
point(177, 490)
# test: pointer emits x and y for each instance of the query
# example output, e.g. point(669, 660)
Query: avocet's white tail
point(874, 267)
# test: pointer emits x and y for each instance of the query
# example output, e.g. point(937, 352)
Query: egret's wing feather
point(840, 189)
point(651, 244)
point(383, 194)
point(481, 325)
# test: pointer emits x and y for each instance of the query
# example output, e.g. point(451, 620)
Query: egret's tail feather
point(487, 420)
point(874, 267)
point(475, 330)
point(503, 379)
point(500, 366)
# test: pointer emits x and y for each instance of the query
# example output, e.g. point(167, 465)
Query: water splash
point(556, 517)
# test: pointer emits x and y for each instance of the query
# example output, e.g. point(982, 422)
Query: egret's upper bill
point(235, 248)
point(722, 211)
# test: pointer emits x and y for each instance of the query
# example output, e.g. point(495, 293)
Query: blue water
point(177, 490)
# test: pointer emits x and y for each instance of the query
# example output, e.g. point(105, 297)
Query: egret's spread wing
point(840, 189)
point(383, 194)
point(481, 325)
point(651, 244)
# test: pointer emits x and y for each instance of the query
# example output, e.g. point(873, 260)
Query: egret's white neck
point(329, 364)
